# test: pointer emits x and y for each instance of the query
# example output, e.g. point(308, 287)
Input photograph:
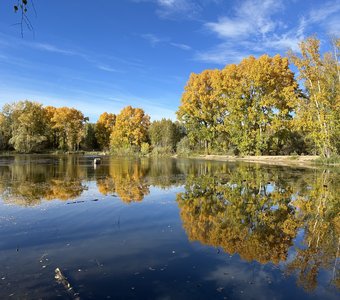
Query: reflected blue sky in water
point(137, 250)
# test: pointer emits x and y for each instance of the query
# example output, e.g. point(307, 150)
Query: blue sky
point(103, 55)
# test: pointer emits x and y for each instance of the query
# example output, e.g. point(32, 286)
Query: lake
point(167, 229)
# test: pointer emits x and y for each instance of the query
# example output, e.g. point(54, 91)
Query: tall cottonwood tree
point(244, 106)
point(319, 112)
point(165, 134)
point(70, 125)
point(131, 128)
point(259, 100)
point(26, 125)
point(104, 127)
point(200, 109)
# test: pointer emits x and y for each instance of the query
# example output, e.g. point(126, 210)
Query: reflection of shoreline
point(307, 161)
point(246, 212)
point(29, 180)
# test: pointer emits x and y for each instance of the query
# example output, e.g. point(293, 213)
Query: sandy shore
point(302, 161)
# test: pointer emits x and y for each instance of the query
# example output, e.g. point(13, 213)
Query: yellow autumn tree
point(243, 107)
point(104, 128)
point(200, 109)
point(318, 113)
point(70, 124)
point(259, 100)
point(130, 130)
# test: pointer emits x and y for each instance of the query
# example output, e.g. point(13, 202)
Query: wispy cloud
point(52, 48)
point(251, 17)
point(249, 30)
point(257, 27)
point(181, 46)
point(324, 11)
point(155, 40)
point(92, 59)
point(108, 69)
point(175, 8)
point(326, 16)
point(221, 54)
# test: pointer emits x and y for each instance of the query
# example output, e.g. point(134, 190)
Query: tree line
point(27, 126)
point(256, 107)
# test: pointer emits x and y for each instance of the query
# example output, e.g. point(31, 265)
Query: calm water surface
point(167, 229)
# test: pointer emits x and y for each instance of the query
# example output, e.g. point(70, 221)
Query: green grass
point(333, 160)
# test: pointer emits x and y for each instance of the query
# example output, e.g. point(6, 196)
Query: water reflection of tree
point(319, 210)
point(252, 212)
point(28, 180)
point(127, 179)
point(131, 179)
point(241, 212)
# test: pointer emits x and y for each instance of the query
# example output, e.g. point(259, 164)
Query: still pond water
point(166, 229)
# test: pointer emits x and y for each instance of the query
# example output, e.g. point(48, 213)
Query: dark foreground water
point(167, 229)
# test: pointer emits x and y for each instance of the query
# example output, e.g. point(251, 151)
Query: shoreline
point(306, 161)
point(278, 160)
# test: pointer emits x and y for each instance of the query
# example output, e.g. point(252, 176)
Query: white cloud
point(176, 8)
point(154, 40)
point(108, 69)
point(324, 11)
point(181, 46)
point(51, 48)
point(255, 28)
point(251, 17)
point(167, 2)
point(221, 54)
point(228, 28)
point(333, 26)
point(284, 42)
point(327, 16)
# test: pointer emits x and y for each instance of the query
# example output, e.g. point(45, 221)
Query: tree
point(89, 141)
point(165, 134)
point(131, 128)
point(104, 127)
point(27, 124)
point(243, 106)
point(318, 113)
point(260, 96)
point(51, 132)
point(70, 125)
point(200, 109)
point(5, 132)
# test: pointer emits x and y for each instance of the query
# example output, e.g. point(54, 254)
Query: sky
point(103, 55)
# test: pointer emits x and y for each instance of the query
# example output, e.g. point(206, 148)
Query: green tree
point(5, 132)
point(27, 125)
point(89, 141)
point(165, 134)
